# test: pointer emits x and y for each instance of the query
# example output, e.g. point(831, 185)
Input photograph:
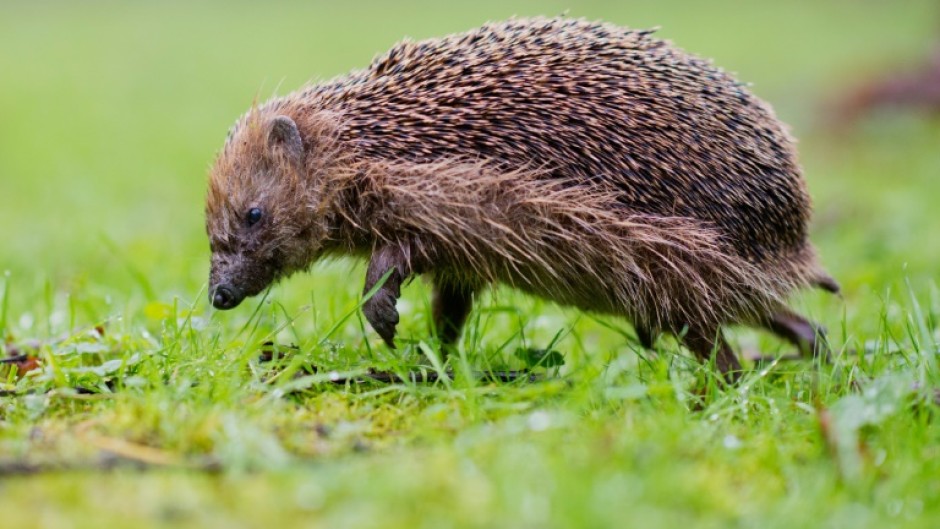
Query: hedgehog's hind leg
point(707, 344)
point(645, 335)
point(451, 306)
point(807, 336)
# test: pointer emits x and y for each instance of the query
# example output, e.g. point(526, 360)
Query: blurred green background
point(110, 115)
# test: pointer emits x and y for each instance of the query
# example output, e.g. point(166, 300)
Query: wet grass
point(146, 408)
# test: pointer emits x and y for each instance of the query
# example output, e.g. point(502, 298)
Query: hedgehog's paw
point(381, 313)
point(808, 336)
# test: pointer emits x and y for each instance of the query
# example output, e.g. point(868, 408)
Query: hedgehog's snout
point(224, 297)
point(234, 277)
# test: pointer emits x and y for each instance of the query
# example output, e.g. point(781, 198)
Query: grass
point(111, 113)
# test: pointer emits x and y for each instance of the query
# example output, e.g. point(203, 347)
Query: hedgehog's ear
point(284, 134)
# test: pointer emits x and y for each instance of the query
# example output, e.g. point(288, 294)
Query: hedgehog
point(588, 164)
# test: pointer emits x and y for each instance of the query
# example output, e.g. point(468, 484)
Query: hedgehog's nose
point(225, 297)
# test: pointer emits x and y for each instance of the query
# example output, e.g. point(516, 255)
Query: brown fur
point(588, 164)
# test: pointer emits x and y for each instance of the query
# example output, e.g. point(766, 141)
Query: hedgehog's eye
point(254, 215)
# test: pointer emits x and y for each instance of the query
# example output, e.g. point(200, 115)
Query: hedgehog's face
point(258, 210)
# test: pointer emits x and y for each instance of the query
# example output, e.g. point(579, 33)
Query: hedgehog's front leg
point(380, 308)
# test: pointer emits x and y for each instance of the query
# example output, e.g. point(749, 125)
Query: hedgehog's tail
point(805, 264)
point(825, 282)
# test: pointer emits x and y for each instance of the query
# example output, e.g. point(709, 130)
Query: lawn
point(146, 408)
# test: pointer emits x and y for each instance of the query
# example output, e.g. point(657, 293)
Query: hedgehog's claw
point(381, 313)
point(388, 268)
